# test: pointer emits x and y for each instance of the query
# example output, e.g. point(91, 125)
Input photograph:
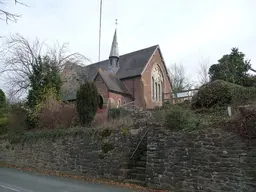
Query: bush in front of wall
point(3, 125)
point(2, 99)
point(179, 118)
point(116, 113)
point(221, 93)
point(87, 102)
point(3, 113)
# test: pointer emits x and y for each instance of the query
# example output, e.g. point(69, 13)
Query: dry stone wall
point(85, 154)
point(206, 160)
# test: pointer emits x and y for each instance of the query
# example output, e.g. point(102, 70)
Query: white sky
point(186, 30)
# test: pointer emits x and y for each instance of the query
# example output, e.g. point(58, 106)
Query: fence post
point(229, 111)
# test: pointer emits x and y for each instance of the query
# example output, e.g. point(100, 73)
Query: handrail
point(127, 104)
point(149, 114)
point(139, 143)
point(130, 104)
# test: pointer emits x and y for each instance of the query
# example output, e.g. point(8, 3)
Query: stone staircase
point(137, 165)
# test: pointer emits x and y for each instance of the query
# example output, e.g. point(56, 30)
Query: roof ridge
point(123, 54)
point(140, 50)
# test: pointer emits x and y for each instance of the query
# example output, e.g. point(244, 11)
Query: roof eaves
point(161, 55)
point(120, 92)
point(104, 80)
point(156, 47)
point(130, 77)
point(124, 86)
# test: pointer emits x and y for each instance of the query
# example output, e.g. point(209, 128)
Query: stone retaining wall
point(207, 160)
point(103, 157)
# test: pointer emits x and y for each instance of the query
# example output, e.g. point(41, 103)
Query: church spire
point(114, 52)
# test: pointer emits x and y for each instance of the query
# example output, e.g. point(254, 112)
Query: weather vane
point(116, 22)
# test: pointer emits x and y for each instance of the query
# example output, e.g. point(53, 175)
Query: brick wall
point(102, 88)
point(140, 87)
point(136, 87)
point(106, 94)
point(146, 79)
point(123, 98)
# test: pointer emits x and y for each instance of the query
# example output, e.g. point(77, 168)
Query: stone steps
point(137, 166)
point(140, 170)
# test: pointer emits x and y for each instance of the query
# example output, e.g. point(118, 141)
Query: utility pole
point(100, 28)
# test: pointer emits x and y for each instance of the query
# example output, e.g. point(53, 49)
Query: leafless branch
point(19, 56)
point(178, 78)
point(253, 70)
point(8, 16)
point(202, 72)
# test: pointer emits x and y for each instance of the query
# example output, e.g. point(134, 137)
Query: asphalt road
point(12, 180)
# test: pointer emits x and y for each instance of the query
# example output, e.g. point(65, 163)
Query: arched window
point(159, 92)
point(152, 88)
point(156, 91)
point(119, 103)
point(157, 83)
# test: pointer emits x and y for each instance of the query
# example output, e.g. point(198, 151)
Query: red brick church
point(139, 77)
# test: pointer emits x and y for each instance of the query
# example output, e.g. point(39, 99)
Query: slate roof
point(113, 83)
point(114, 52)
point(131, 65)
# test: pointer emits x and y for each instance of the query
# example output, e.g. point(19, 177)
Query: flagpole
point(100, 28)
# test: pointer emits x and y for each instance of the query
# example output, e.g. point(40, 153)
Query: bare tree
point(253, 70)
point(178, 78)
point(202, 72)
point(8, 16)
point(20, 56)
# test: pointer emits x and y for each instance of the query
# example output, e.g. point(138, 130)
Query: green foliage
point(3, 113)
point(125, 131)
point(211, 116)
point(87, 102)
point(178, 118)
point(252, 80)
point(3, 125)
point(54, 134)
point(116, 113)
point(221, 93)
point(2, 99)
point(28, 137)
point(17, 115)
point(105, 133)
point(232, 68)
point(45, 78)
point(8, 146)
point(243, 122)
point(106, 147)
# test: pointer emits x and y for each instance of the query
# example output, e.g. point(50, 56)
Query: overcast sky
point(186, 30)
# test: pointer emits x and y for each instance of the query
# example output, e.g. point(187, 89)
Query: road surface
point(12, 180)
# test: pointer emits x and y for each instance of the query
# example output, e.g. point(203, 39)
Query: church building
point(139, 77)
